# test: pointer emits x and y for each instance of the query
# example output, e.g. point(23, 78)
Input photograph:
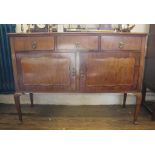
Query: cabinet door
point(109, 71)
point(46, 71)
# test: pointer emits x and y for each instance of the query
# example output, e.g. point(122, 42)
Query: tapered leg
point(31, 99)
point(124, 100)
point(138, 106)
point(17, 103)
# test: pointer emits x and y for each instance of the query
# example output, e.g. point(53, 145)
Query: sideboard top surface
point(75, 33)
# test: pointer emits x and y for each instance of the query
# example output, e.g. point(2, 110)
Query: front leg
point(138, 106)
point(17, 103)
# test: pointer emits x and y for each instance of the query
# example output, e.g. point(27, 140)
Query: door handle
point(73, 72)
point(82, 72)
point(34, 44)
point(121, 44)
point(77, 45)
point(82, 75)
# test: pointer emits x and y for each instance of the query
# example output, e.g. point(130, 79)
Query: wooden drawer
point(77, 42)
point(120, 43)
point(34, 43)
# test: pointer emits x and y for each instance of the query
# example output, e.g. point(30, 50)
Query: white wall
point(141, 28)
point(72, 99)
point(78, 99)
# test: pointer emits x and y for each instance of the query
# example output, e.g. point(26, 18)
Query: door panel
point(39, 67)
point(46, 71)
point(111, 72)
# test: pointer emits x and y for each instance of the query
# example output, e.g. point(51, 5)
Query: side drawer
point(120, 43)
point(77, 42)
point(34, 43)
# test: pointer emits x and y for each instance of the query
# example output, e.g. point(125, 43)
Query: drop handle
point(34, 45)
point(121, 44)
point(82, 73)
point(73, 72)
point(77, 44)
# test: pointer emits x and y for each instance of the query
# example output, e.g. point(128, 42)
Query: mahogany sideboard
point(82, 62)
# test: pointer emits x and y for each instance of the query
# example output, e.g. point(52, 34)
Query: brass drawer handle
point(77, 44)
point(34, 44)
point(121, 45)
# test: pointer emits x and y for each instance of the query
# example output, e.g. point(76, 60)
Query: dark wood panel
point(120, 43)
point(152, 29)
point(151, 46)
point(77, 42)
point(34, 43)
point(149, 74)
point(51, 70)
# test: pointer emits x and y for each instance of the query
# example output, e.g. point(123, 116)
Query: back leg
point(124, 100)
point(31, 99)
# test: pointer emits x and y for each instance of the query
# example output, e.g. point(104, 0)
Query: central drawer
point(120, 43)
point(34, 43)
point(77, 42)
